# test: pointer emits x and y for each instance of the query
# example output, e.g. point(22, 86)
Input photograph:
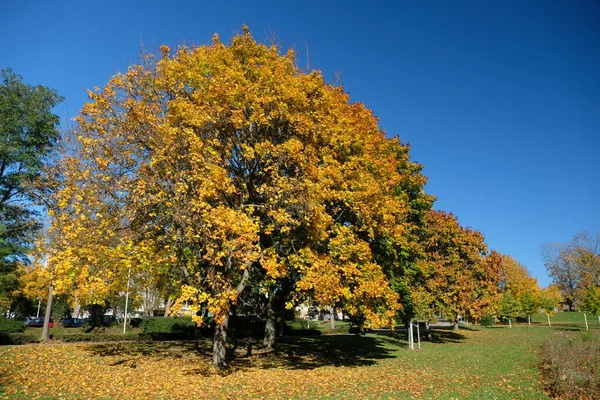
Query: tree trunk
point(168, 306)
point(220, 344)
point(332, 317)
point(456, 323)
point(270, 331)
point(45, 335)
point(220, 338)
point(76, 310)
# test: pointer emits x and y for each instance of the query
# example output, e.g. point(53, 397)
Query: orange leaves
point(461, 278)
point(214, 162)
point(349, 276)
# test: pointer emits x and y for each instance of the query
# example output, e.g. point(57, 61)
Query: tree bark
point(220, 344)
point(456, 323)
point(45, 335)
point(76, 310)
point(220, 338)
point(168, 306)
point(332, 317)
point(270, 331)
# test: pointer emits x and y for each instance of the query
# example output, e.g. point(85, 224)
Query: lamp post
point(39, 306)
point(126, 301)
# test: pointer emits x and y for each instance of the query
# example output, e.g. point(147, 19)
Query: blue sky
point(500, 100)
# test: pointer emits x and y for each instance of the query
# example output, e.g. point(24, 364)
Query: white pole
point(126, 301)
point(418, 335)
point(586, 324)
point(529, 320)
point(411, 345)
point(549, 324)
point(509, 322)
point(40, 304)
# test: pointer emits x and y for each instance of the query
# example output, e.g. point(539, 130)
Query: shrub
point(95, 337)
point(17, 338)
point(569, 364)
point(135, 322)
point(167, 325)
point(11, 325)
point(487, 320)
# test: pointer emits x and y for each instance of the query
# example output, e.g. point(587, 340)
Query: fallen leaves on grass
point(182, 370)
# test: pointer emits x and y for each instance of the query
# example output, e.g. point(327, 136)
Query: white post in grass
point(529, 320)
point(418, 335)
point(586, 324)
point(411, 345)
point(126, 301)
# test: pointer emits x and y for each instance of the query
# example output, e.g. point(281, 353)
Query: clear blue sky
point(500, 100)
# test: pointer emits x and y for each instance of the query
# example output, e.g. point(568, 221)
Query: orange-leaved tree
point(516, 282)
point(221, 165)
point(461, 277)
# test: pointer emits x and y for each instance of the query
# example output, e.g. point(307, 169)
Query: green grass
point(571, 318)
point(474, 363)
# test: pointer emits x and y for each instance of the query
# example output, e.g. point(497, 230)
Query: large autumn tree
point(517, 284)
point(574, 266)
point(461, 277)
point(28, 133)
point(223, 166)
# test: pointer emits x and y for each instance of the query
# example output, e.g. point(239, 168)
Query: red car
point(39, 322)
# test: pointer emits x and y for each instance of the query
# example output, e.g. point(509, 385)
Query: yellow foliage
point(214, 162)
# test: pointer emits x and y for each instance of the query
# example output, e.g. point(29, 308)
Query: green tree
point(590, 300)
point(508, 308)
point(28, 132)
point(549, 300)
point(529, 304)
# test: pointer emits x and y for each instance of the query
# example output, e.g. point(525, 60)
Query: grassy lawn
point(488, 363)
point(567, 318)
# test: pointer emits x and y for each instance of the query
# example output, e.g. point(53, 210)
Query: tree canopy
point(28, 132)
point(574, 266)
point(220, 165)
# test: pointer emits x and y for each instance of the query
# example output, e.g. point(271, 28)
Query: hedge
point(11, 325)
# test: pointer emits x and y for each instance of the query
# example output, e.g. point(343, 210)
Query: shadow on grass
point(290, 352)
point(446, 336)
point(567, 327)
point(438, 335)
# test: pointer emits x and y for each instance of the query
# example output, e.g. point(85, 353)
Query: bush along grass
point(167, 325)
point(570, 364)
point(18, 338)
point(488, 320)
point(11, 325)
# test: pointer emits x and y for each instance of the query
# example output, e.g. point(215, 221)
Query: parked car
point(39, 322)
point(71, 322)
